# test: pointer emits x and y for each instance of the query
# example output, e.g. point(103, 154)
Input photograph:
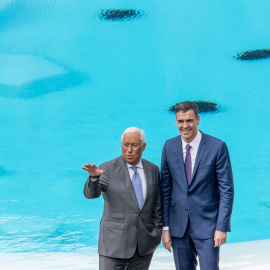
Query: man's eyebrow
point(188, 120)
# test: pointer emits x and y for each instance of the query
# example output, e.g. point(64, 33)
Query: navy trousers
point(187, 248)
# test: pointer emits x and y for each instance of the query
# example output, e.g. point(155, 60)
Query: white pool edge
point(253, 255)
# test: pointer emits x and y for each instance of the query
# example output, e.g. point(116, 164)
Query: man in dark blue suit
point(197, 193)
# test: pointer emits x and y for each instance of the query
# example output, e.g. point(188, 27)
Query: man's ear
point(198, 120)
point(144, 146)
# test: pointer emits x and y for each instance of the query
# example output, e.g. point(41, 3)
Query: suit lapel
point(179, 154)
point(124, 174)
point(199, 156)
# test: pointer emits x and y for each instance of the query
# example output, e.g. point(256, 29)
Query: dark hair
point(186, 106)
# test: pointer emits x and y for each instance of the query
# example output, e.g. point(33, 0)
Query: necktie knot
point(134, 168)
point(188, 147)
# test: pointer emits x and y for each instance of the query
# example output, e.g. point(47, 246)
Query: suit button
point(140, 214)
point(186, 209)
point(188, 195)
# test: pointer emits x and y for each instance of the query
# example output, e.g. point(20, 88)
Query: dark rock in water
point(120, 14)
point(254, 55)
point(204, 106)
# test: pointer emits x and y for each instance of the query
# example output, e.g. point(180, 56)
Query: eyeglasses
point(132, 145)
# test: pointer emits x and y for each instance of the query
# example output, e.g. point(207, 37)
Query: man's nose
point(185, 125)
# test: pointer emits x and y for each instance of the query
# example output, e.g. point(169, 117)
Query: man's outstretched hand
point(92, 170)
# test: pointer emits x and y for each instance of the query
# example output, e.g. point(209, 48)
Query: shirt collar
point(139, 165)
point(195, 143)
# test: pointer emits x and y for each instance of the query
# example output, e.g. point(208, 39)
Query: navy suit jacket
point(208, 200)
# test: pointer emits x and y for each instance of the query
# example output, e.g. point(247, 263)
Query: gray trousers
point(136, 262)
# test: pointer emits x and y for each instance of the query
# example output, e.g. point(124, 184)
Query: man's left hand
point(220, 238)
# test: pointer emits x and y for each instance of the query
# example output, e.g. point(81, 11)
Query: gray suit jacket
point(123, 225)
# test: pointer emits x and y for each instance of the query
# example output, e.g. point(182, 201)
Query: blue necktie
point(188, 164)
point(137, 186)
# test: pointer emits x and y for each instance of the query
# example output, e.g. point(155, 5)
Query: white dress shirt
point(141, 173)
point(193, 152)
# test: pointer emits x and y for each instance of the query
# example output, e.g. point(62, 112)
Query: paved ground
point(240, 256)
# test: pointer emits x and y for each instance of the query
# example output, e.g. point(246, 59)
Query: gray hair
point(134, 130)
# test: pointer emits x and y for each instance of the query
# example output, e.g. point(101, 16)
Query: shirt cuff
point(93, 180)
point(166, 228)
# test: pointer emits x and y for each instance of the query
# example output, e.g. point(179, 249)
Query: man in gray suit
point(131, 225)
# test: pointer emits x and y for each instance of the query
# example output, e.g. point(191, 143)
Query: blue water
point(70, 83)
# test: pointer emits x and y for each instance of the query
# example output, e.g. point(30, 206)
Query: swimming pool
point(71, 81)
